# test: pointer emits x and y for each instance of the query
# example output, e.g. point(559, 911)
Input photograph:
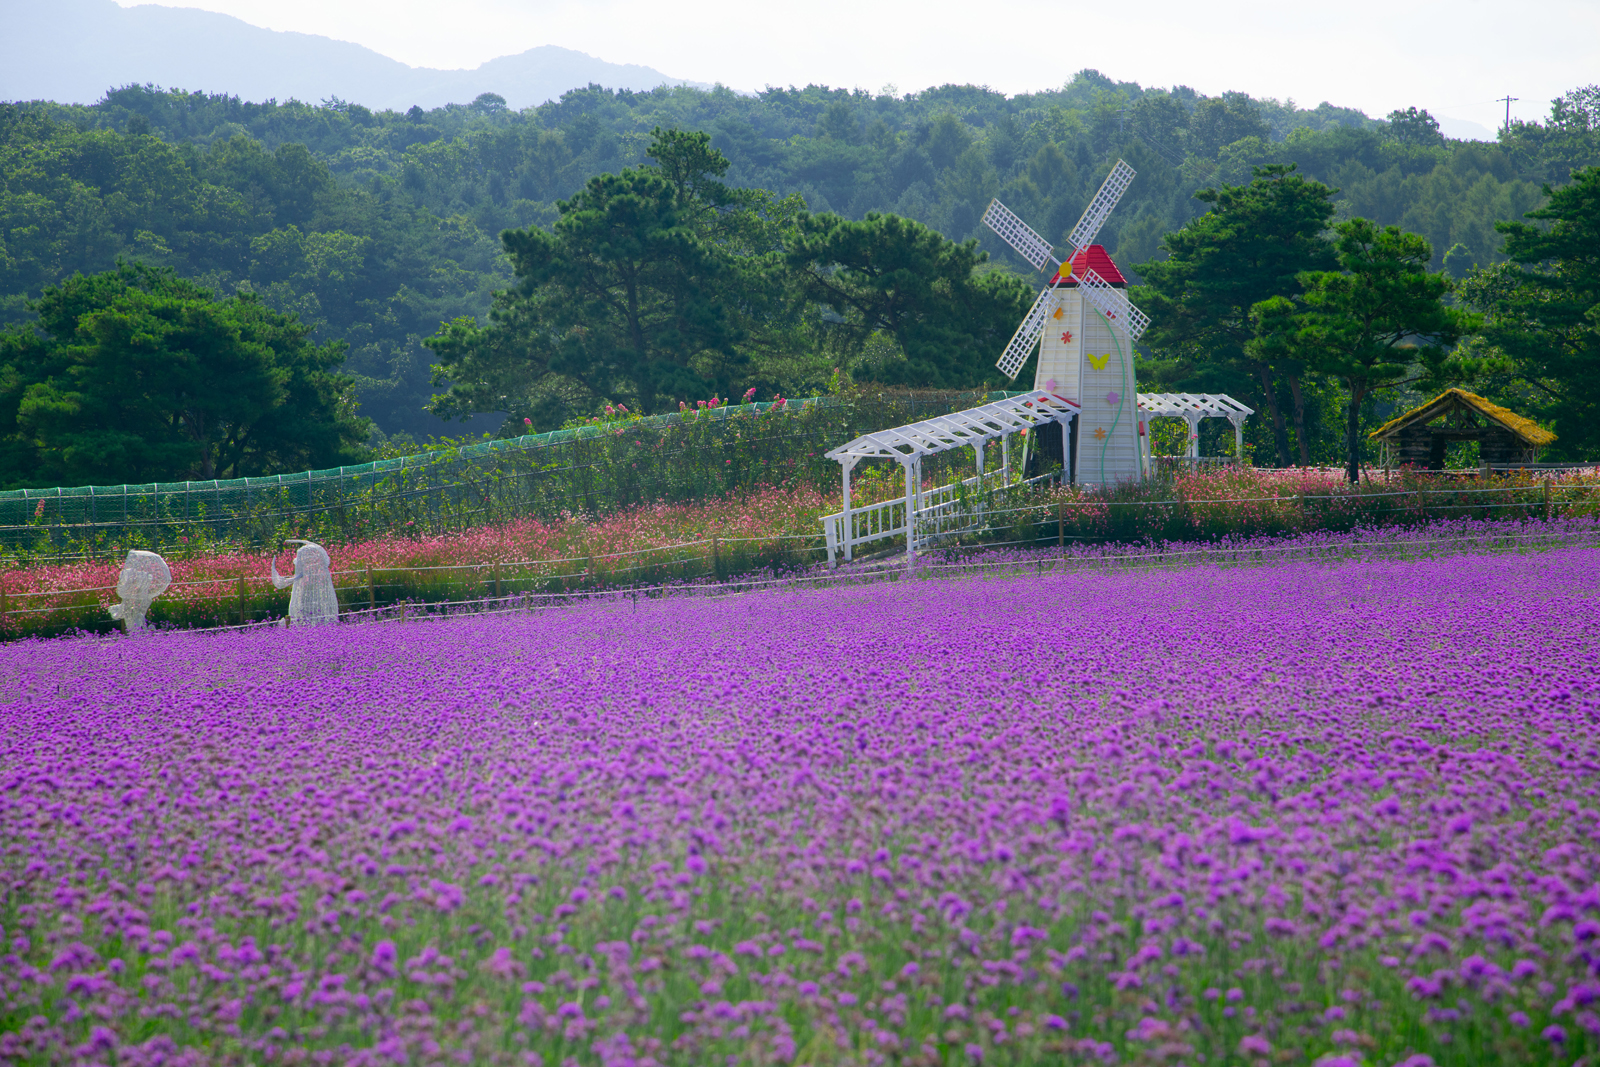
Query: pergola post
point(1069, 447)
point(910, 464)
point(849, 519)
point(1238, 440)
point(1193, 449)
point(977, 447)
point(1005, 459)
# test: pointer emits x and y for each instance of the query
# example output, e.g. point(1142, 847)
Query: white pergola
point(1192, 407)
point(906, 445)
point(974, 428)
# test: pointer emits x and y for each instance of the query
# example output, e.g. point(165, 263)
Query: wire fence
point(1132, 514)
point(589, 470)
point(1014, 519)
point(997, 559)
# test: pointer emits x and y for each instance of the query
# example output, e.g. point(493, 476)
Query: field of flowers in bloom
point(770, 530)
point(1338, 812)
point(645, 545)
point(762, 515)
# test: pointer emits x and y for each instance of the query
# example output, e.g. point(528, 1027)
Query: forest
point(381, 230)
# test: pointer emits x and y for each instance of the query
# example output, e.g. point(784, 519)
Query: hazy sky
point(1452, 57)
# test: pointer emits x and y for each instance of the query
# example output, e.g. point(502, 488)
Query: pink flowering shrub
point(661, 542)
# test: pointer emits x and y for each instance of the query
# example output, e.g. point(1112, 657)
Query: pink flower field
point(761, 517)
point(1226, 503)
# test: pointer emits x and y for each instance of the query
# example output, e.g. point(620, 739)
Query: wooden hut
point(1421, 436)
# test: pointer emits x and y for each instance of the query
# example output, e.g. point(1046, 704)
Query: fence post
point(372, 592)
point(1061, 526)
point(239, 589)
point(716, 559)
point(497, 581)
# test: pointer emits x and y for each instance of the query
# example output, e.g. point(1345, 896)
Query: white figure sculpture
point(144, 577)
point(313, 599)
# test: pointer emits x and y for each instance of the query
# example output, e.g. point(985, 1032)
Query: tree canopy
point(1541, 340)
point(895, 276)
point(376, 226)
point(661, 284)
point(1253, 246)
point(135, 375)
point(1378, 316)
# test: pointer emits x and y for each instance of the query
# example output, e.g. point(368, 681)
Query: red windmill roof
point(1094, 257)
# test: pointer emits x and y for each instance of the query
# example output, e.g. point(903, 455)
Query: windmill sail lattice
point(1099, 209)
point(1020, 236)
point(1111, 302)
point(1027, 335)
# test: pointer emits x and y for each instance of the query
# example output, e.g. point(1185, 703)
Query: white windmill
point(1084, 326)
point(1085, 377)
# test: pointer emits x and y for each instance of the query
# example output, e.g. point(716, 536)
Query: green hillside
point(376, 227)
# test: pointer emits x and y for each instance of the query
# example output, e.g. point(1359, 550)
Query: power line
point(1469, 103)
point(1173, 157)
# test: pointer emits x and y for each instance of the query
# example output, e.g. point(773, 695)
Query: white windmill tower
point(1085, 327)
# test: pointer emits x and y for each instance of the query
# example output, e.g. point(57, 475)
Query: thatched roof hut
point(1421, 436)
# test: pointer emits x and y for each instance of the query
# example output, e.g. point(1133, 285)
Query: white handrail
point(843, 531)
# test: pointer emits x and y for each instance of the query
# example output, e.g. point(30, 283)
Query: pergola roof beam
point(1193, 405)
point(960, 429)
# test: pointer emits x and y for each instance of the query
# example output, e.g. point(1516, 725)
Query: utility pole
point(1509, 100)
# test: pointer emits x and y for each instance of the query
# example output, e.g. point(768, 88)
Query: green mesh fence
point(589, 470)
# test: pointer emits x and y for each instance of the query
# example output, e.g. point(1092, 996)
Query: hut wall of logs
point(1422, 437)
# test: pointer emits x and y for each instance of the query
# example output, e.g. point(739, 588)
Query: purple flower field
point(1340, 813)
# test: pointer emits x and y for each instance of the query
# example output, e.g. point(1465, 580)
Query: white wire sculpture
point(144, 577)
point(312, 600)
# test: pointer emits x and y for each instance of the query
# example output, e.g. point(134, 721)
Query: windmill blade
point(1113, 303)
point(1027, 335)
point(1094, 216)
point(1016, 233)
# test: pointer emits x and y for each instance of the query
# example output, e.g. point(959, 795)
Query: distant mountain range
point(1464, 129)
point(72, 51)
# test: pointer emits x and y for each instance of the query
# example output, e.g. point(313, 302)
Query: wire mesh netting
point(589, 470)
point(1013, 533)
